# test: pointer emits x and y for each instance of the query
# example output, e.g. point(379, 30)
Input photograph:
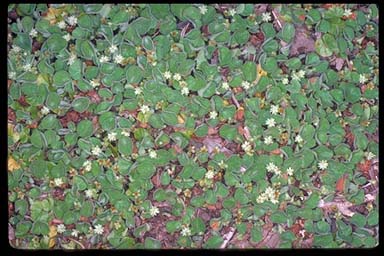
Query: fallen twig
point(227, 237)
point(276, 18)
point(235, 100)
point(77, 242)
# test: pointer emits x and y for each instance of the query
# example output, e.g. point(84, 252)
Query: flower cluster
point(270, 194)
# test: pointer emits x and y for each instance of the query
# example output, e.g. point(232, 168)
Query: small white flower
point(362, 78)
point(104, 59)
point(323, 164)
point(347, 12)
point(89, 193)
point(112, 136)
point(212, 115)
point(154, 211)
point(58, 182)
point(167, 75)
point(266, 16)
point(113, 48)
point(301, 73)
point(72, 20)
point(96, 150)
point(99, 229)
point(261, 198)
point(138, 91)
point(145, 109)
point(184, 91)
point(247, 147)
point(44, 110)
point(210, 174)
point(290, 171)
point(203, 9)
point(118, 59)
point(298, 139)
point(125, 133)
point(94, 83)
point(285, 81)
point(75, 232)
point(274, 110)
point(232, 12)
point(246, 85)
point(185, 231)
point(177, 77)
point(16, 49)
point(270, 192)
point(27, 67)
point(61, 24)
point(67, 37)
point(152, 153)
point(33, 33)
point(302, 232)
point(12, 75)
point(71, 59)
point(271, 167)
point(87, 165)
point(274, 200)
point(268, 140)
point(370, 156)
point(222, 165)
point(61, 228)
point(270, 122)
point(225, 86)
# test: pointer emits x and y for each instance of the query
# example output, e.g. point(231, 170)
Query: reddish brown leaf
point(11, 115)
point(364, 167)
point(239, 116)
point(23, 101)
point(340, 184)
point(276, 152)
point(215, 225)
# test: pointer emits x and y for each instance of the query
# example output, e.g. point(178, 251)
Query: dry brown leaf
point(52, 236)
point(51, 15)
point(342, 206)
point(12, 164)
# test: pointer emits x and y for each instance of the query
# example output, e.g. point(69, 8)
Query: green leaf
point(107, 121)
point(23, 41)
point(197, 226)
point(288, 32)
point(152, 243)
point(85, 128)
point(87, 50)
point(173, 226)
point(228, 132)
point(256, 234)
point(22, 228)
point(323, 227)
point(61, 77)
point(373, 218)
point(87, 209)
point(213, 242)
point(80, 182)
point(56, 43)
point(81, 104)
point(134, 74)
point(278, 217)
point(75, 69)
point(358, 219)
point(39, 168)
point(124, 146)
point(40, 228)
point(249, 71)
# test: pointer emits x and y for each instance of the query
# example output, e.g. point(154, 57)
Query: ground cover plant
point(192, 125)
